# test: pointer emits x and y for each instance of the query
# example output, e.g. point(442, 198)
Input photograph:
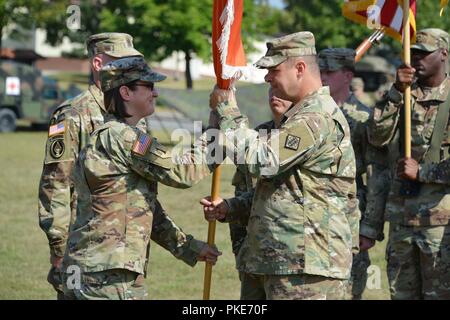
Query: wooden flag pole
point(228, 51)
point(215, 189)
point(407, 60)
point(215, 184)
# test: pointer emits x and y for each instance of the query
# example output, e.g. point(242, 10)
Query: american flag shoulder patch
point(142, 144)
point(57, 128)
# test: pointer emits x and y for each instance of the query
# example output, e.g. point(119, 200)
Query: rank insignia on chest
point(55, 129)
point(142, 144)
point(292, 142)
point(57, 148)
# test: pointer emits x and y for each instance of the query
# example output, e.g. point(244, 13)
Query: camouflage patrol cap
point(431, 39)
point(293, 45)
point(114, 44)
point(125, 70)
point(334, 59)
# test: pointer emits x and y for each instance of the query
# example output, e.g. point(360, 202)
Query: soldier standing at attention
point(336, 69)
point(70, 129)
point(116, 177)
point(418, 250)
point(304, 221)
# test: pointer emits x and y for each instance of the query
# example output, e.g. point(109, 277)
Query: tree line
point(161, 27)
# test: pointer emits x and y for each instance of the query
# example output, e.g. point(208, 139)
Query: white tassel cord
point(227, 19)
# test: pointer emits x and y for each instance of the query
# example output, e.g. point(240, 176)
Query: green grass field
point(24, 252)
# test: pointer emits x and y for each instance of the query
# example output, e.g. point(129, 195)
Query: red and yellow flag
point(228, 52)
point(381, 13)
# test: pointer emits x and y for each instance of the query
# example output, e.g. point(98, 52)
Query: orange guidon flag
point(381, 13)
point(443, 4)
point(228, 52)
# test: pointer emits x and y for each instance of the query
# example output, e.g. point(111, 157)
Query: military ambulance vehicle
point(26, 94)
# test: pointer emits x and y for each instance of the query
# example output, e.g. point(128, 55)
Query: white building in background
point(35, 40)
point(199, 68)
point(48, 51)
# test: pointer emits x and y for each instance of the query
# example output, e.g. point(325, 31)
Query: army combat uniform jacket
point(357, 115)
point(430, 205)
point(304, 217)
point(116, 179)
point(70, 129)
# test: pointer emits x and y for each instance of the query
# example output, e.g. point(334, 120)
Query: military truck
point(26, 94)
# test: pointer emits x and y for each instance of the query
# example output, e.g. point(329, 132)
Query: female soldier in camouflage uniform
point(116, 178)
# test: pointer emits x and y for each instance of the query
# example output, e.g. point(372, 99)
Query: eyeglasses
point(149, 85)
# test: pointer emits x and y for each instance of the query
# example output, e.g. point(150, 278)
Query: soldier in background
point(418, 250)
point(357, 87)
point(70, 127)
point(336, 69)
point(377, 74)
point(292, 248)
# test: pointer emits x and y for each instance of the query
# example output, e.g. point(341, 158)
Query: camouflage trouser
point(297, 287)
point(54, 277)
point(237, 235)
point(418, 262)
point(114, 284)
point(252, 286)
point(358, 280)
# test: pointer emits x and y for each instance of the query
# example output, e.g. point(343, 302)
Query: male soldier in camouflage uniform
point(418, 251)
point(240, 205)
point(70, 128)
point(304, 220)
point(336, 69)
point(116, 177)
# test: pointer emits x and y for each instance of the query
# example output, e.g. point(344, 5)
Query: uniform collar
point(305, 101)
point(142, 124)
point(98, 96)
point(110, 117)
point(439, 93)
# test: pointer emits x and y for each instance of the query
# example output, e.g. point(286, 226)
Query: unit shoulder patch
point(292, 142)
point(57, 148)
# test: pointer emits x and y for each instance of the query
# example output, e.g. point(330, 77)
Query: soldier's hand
point(214, 210)
point(56, 261)
point(407, 168)
point(405, 77)
point(365, 243)
point(219, 95)
point(209, 254)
